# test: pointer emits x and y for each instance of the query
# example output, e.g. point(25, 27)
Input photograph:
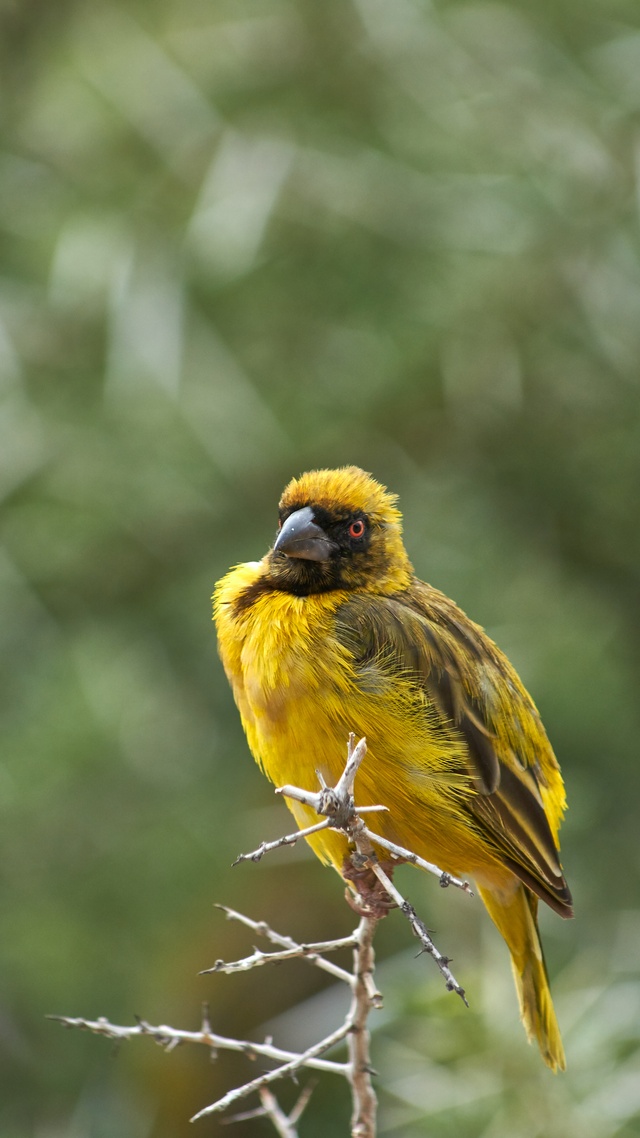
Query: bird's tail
point(515, 917)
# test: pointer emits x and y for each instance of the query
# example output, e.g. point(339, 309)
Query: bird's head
point(338, 529)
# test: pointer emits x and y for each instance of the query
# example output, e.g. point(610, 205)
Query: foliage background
point(238, 240)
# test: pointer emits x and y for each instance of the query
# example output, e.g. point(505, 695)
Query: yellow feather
point(456, 749)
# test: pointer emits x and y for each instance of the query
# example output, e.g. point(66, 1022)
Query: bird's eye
point(356, 529)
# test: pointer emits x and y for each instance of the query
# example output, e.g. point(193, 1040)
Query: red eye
point(356, 529)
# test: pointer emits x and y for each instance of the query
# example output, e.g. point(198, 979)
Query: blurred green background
point(240, 239)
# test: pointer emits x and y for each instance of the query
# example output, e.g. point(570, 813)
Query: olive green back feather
point(515, 794)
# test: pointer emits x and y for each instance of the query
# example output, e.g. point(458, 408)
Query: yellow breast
point(299, 696)
point(288, 672)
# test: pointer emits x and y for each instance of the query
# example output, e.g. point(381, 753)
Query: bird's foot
point(371, 899)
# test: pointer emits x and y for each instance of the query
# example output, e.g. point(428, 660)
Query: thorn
point(205, 1026)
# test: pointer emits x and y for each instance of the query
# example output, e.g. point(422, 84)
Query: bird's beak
point(301, 537)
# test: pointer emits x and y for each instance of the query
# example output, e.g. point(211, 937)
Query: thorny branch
point(170, 1037)
point(337, 804)
point(291, 950)
point(337, 807)
point(285, 1124)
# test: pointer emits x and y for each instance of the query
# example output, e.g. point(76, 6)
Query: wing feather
point(516, 797)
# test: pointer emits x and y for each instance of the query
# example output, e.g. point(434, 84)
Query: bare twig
point(302, 1101)
point(358, 1070)
point(338, 804)
point(403, 854)
point(308, 1058)
point(285, 1124)
point(170, 1037)
point(366, 996)
point(287, 840)
point(420, 930)
point(337, 808)
point(291, 950)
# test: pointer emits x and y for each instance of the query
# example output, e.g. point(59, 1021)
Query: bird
point(330, 633)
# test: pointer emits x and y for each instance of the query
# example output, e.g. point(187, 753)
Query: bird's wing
point(516, 794)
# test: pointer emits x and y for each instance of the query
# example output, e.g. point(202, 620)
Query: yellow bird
point(331, 632)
